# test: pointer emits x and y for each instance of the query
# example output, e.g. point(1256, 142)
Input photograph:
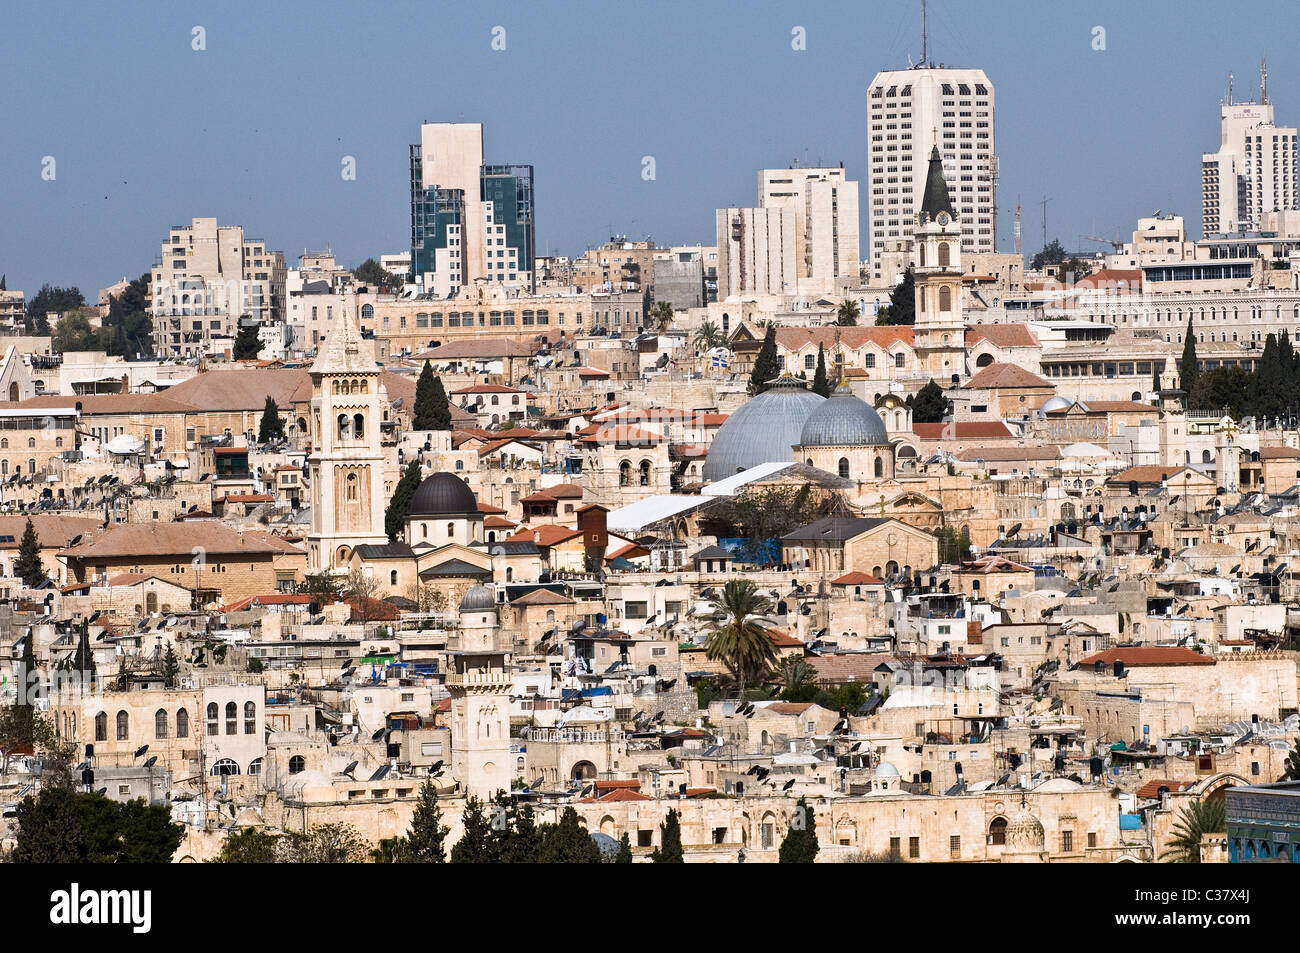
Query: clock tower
point(939, 336)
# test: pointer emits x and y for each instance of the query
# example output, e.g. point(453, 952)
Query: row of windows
point(163, 725)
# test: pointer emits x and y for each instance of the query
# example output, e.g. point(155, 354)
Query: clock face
point(943, 218)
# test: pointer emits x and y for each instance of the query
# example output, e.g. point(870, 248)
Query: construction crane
point(1116, 245)
point(1016, 230)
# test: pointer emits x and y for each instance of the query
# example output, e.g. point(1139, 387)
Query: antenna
point(1230, 89)
point(1263, 80)
point(925, 37)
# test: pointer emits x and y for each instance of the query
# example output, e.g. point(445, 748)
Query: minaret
point(347, 461)
point(1229, 460)
point(940, 331)
point(478, 678)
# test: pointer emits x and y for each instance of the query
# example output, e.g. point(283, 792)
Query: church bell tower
point(940, 331)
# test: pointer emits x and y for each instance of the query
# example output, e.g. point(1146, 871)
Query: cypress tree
point(432, 409)
point(271, 426)
point(28, 566)
point(1189, 370)
point(441, 406)
point(670, 834)
point(1269, 380)
point(171, 666)
point(427, 837)
point(248, 343)
point(800, 844)
point(523, 845)
point(475, 845)
point(624, 855)
point(821, 385)
point(765, 366)
point(567, 842)
point(83, 660)
point(400, 503)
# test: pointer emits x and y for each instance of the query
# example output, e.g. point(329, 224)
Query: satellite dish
point(153, 759)
point(1013, 530)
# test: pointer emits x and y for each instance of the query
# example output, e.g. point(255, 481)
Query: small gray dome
point(764, 429)
point(443, 494)
point(478, 598)
point(1055, 403)
point(844, 421)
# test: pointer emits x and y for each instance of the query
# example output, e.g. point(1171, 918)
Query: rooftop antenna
point(925, 37)
point(1263, 80)
point(1229, 89)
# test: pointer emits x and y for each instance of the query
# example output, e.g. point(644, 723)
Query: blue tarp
point(743, 549)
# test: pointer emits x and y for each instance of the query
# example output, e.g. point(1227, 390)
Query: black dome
point(443, 494)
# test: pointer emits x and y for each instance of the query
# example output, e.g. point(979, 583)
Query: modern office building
point(207, 277)
point(1253, 173)
point(825, 206)
point(908, 113)
point(469, 221)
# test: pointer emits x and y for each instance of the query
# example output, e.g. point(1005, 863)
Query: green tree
point(624, 855)
point(800, 844)
point(567, 842)
point(476, 843)
point(847, 314)
point(400, 502)
point(798, 680)
point(1232, 390)
point(21, 727)
point(1292, 772)
point(371, 272)
point(428, 835)
point(127, 330)
point(1189, 368)
point(523, 843)
point(1053, 254)
point(74, 333)
point(765, 364)
point(51, 300)
point(736, 638)
point(248, 343)
point(669, 850)
point(271, 426)
point(928, 404)
point(83, 659)
point(707, 337)
point(171, 666)
point(249, 846)
point(392, 850)
point(432, 408)
point(662, 316)
point(28, 566)
point(954, 546)
point(902, 303)
point(1194, 821)
point(821, 384)
point(324, 844)
point(323, 584)
point(49, 829)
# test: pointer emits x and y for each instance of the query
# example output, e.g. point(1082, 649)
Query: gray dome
point(844, 421)
point(443, 494)
point(478, 598)
point(764, 429)
point(1057, 402)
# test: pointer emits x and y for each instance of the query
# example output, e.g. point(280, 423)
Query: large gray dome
point(443, 494)
point(844, 421)
point(764, 429)
point(478, 598)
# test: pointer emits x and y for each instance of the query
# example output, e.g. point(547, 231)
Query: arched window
point(645, 472)
point(998, 832)
point(182, 724)
point(880, 467)
point(844, 467)
point(255, 766)
point(232, 718)
point(224, 768)
point(343, 426)
point(297, 764)
point(392, 577)
point(922, 249)
point(101, 727)
point(943, 254)
point(160, 723)
point(367, 311)
point(351, 492)
point(625, 474)
point(250, 718)
point(358, 426)
point(214, 715)
point(451, 530)
point(123, 725)
point(945, 298)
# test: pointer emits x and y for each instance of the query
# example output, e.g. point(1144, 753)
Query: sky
point(146, 132)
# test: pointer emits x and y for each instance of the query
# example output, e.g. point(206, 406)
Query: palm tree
point(1194, 821)
point(846, 315)
point(708, 336)
point(662, 315)
point(737, 639)
point(796, 675)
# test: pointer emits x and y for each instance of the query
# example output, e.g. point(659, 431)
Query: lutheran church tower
point(347, 461)
point(939, 336)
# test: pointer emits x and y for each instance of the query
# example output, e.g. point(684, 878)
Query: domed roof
point(764, 429)
point(845, 420)
point(1058, 402)
point(443, 494)
point(1025, 832)
point(885, 769)
point(478, 598)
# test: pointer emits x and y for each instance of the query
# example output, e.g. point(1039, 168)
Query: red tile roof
point(546, 534)
point(1151, 789)
point(1000, 374)
point(1001, 335)
point(1148, 656)
point(792, 339)
point(857, 578)
point(964, 430)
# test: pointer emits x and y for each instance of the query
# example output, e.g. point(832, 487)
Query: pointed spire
point(935, 199)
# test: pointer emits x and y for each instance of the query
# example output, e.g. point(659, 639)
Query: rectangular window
point(914, 848)
point(954, 846)
point(1067, 841)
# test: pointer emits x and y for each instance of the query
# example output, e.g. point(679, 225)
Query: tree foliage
point(249, 846)
point(902, 303)
point(765, 364)
point(670, 850)
point(847, 313)
point(821, 384)
point(271, 426)
point(568, 843)
point(1189, 368)
point(371, 272)
point(427, 837)
point(1053, 254)
point(51, 300)
point(127, 329)
point(1194, 821)
point(928, 404)
point(736, 638)
point(476, 844)
point(400, 502)
point(432, 408)
point(28, 566)
point(248, 342)
point(800, 844)
point(324, 844)
point(62, 826)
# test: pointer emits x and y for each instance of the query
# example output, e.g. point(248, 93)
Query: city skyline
point(272, 146)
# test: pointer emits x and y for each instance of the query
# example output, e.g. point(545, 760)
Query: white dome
point(885, 769)
point(1057, 403)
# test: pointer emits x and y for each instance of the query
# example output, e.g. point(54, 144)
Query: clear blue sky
point(147, 133)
